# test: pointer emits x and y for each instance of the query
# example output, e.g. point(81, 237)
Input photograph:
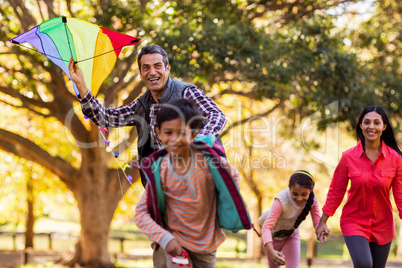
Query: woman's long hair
point(304, 179)
point(387, 136)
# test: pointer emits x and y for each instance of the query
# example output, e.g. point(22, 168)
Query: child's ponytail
point(304, 179)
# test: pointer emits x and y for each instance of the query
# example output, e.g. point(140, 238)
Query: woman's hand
point(322, 231)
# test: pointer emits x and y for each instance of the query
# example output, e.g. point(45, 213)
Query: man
point(154, 68)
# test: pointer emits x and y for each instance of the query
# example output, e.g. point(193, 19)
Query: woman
point(374, 167)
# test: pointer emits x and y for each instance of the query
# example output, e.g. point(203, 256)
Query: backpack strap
point(229, 199)
point(156, 197)
point(229, 194)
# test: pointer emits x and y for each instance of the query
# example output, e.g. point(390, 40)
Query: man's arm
point(77, 76)
point(216, 119)
point(101, 116)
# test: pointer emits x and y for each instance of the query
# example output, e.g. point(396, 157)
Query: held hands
point(322, 232)
point(174, 248)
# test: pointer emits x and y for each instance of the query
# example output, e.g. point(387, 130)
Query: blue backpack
point(231, 210)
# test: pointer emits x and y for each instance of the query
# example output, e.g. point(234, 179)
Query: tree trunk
point(94, 236)
point(91, 250)
point(29, 231)
point(254, 243)
point(97, 202)
point(311, 249)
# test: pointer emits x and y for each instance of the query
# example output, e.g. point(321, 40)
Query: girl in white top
point(280, 233)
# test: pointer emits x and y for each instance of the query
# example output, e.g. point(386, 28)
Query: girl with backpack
point(280, 233)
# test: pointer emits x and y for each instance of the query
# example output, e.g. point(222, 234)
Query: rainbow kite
point(91, 46)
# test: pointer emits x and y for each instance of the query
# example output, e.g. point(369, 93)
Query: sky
point(349, 15)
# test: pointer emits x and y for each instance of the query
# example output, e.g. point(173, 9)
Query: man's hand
point(77, 76)
point(174, 248)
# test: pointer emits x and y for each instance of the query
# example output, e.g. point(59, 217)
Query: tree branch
point(250, 182)
point(27, 149)
point(250, 95)
point(121, 71)
point(26, 102)
point(249, 119)
point(40, 11)
point(58, 85)
point(26, 19)
point(134, 93)
point(118, 173)
point(50, 8)
point(28, 108)
point(68, 2)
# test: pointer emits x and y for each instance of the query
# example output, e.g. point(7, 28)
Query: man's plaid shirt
point(122, 116)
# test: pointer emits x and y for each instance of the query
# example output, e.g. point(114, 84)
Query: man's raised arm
point(77, 76)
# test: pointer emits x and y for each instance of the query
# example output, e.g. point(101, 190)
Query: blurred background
point(291, 76)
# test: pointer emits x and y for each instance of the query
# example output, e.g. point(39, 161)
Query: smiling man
point(154, 71)
point(153, 64)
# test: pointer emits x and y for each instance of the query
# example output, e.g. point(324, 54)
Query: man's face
point(154, 73)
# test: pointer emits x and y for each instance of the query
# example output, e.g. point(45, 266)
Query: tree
point(380, 40)
point(300, 62)
point(291, 54)
point(41, 89)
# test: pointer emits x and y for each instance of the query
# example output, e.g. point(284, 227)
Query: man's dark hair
point(151, 49)
point(184, 109)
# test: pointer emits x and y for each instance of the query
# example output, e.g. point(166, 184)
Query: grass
point(333, 248)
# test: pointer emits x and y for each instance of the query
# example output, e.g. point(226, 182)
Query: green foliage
point(319, 70)
point(304, 62)
point(380, 38)
point(208, 42)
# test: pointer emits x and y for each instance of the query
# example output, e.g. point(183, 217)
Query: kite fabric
point(94, 48)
